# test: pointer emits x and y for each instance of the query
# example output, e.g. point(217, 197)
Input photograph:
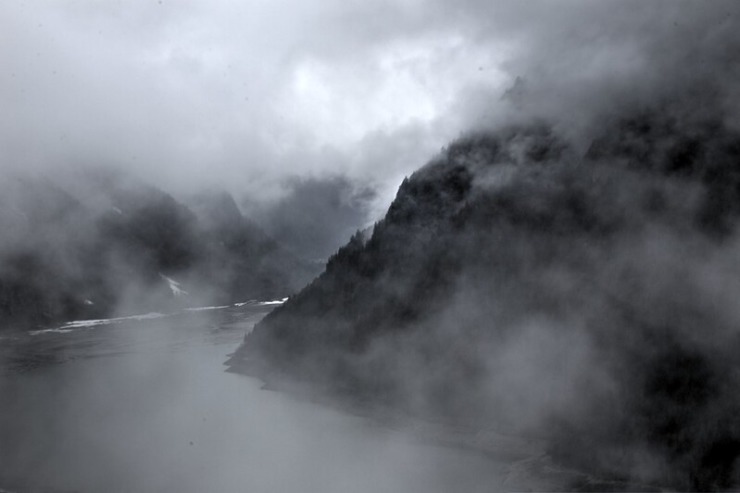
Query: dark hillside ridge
point(104, 244)
point(513, 283)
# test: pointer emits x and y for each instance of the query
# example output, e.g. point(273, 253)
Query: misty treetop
point(519, 283)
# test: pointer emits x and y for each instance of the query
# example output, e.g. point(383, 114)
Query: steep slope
point(514, 284)
point(46, 272)
point(94, 244)
point(241, 257)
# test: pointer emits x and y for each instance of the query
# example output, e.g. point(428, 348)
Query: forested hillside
point(519, 282)
point(101, 244)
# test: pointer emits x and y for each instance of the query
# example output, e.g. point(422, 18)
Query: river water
point(145, 405)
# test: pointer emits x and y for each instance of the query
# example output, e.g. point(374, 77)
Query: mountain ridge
point(515, 283)
point(95, 245)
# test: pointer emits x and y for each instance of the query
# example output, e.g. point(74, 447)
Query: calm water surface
point(146, 406)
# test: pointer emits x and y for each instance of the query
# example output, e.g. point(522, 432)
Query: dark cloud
point(311, 113)
point(243, 96)
point(223, 93)
point(584, 61)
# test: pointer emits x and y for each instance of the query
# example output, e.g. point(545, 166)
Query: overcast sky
point(244, 94)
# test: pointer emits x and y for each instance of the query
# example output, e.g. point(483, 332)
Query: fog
point(251, 96)
point(194, 93)
point(310, 114)
point(315, 216)
point(147, 406)
point(247, 95)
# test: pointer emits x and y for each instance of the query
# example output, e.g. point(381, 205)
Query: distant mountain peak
point(112, 239)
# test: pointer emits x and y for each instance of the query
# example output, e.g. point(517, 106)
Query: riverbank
point(527, 464)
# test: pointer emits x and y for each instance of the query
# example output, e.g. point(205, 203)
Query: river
point(145, 405)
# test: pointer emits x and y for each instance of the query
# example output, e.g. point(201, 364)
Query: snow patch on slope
point(174, 286)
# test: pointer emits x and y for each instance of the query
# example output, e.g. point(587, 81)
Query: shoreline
point(530, 467)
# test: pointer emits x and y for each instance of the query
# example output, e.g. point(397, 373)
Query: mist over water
point(300, 119)
point(147, 406)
